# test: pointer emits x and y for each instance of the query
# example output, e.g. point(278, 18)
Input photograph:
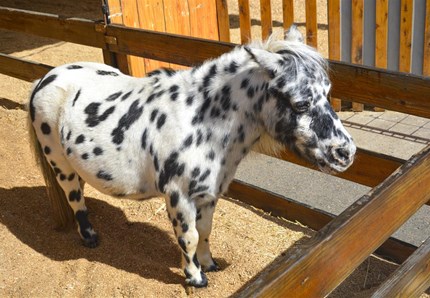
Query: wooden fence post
point(334, 40)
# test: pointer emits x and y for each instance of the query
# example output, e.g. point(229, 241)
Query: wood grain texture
point(411, 279)
point(381, 33)
point(151, 17)
point(334, 41)
point(22, 69)
point(266, 18)
point(287, 13)
point(357, 40)
point(130, 18)
point(203, 19)
point(223, 20)
point(74, 30)
point(115, 16)
point(277, 205)
point(405, 35)
point(344, 242)
point(244, 21)
point(426, 62)
point(311, 23)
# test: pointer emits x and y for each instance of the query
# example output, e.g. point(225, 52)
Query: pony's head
point(297, 113)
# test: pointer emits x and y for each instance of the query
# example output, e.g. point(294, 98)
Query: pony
point(181, 134)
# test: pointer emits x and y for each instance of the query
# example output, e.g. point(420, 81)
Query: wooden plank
point(22, 69)
point(379, 213)
point(203, 19)
point(405, 35)
point(177, 19)
point(405, 93)
point(244, 21)
point(381, 33)
point(311, 23)
point(287, 13)
point(266, 18)
point(165, 47)
point(75, 30)
point(411, 279)
point(223, 20)
point(357, 40)
point(381, 36)
point(280, 206)
point(426, 61)
point(334, 41)
point(369, 168)
point(115, 17)
point(151, 17)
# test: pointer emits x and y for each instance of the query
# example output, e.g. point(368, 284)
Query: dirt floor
point(138, 255)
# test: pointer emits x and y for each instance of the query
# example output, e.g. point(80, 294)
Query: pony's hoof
point(213, 267)
point(91, 242)
point(202, 283)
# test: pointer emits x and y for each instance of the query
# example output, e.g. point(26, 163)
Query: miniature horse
point(181, 134)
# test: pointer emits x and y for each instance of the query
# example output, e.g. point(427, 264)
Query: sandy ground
point(138, 255)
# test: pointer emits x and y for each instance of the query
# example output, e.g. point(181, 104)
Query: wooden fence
point(386, 34)
point(343, 240)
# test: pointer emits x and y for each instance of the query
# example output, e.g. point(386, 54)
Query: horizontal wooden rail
point(406, 93)
point(22, 69)
point(369, 168)
point(81, 31)
point(305, 272)
point(386, 89)
point(411, 279)
point(277, 205)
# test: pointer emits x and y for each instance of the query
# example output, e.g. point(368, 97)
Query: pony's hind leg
point(72, 185)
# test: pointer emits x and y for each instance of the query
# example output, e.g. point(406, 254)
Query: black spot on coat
point(46, 129)
point(104, 176)
point(133, 114)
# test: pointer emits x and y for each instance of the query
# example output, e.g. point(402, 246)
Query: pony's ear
point(293, 34)
point(267, 60)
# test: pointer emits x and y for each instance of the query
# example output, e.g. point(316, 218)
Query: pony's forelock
point(301, 52)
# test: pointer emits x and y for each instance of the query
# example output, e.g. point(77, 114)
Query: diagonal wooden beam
point(342, 245)
point(411, 279)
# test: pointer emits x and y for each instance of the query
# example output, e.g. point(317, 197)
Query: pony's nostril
point(342, 153)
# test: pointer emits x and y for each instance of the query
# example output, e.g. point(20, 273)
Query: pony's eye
point(302, 106)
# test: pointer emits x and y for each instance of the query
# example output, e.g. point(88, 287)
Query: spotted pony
point(181, 134)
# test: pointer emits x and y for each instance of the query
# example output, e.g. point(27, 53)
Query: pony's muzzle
point(343, 156)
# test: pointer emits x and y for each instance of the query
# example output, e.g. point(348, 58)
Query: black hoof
point(91, 242)
point(213, 268)
point(198, 284)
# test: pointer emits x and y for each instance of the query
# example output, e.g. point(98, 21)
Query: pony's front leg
point(204, 227)
point(182, 213)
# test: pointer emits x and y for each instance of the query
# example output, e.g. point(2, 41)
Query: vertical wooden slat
point(245, 21)
point(203, 12)
point(426, 62)
point(131, 19)
point(177, 18)
point(311, 23)
point(116, 17)
point(381, 36)
point(334, 40)
point(381, 33)
point(287, 13)
point(357, 40)
point(405, 35)
point(266, 18)
point(223, 20)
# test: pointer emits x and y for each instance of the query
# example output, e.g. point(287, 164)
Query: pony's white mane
point(301, 52)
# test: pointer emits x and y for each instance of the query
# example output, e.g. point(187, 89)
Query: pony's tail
point(62, 212)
